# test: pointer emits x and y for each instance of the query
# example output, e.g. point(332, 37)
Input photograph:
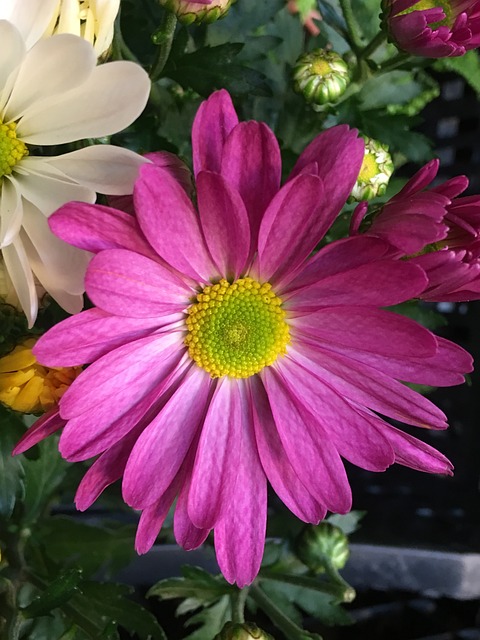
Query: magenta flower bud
point(200, 11)
point(433, 28)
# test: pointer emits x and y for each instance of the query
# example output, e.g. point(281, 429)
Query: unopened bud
point(321, 543)
point(245, 631)
point(377, 168)
point(321, 76)
point(190, 12)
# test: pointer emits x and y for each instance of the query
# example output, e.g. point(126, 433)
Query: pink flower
point(222, 355)
point(437, 230)
point(434, 28)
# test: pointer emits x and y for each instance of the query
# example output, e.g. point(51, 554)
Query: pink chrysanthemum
point(437, 230)
point(433, 28)
point(223, 355)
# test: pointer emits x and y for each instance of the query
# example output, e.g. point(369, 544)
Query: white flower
point(50, 95)
point(92, 20)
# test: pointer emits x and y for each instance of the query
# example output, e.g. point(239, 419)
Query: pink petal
point(217, 459)
point(280, 473)
point(152, 519)
point(88, 335)
point(414, 453)
point(375, 330)
point(316, 462)
point(419, 181)
point(168, 220)
point(394, 280)
point(214, 120)
point(340, 256)
point(355, 437)
point(161, 449)
point(186, 533)
point(290, 229)
point(121, 377)
point(94, 228)
point(128, 284)
point(368, 386)
point(46, 425)
point(240, 534)
point(338, 154)
point(251, 163)
point(224, 223)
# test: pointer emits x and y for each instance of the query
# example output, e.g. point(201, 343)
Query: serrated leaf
point(11, 468)
point(196, 586)
point(109, 605)
point(467, 66)
point(348, 522)
point(397, 133)
point(56, 594)
point(395, 87)
point(67, 541)
point(211, 620)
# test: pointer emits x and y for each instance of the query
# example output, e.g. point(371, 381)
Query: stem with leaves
point(352, 26)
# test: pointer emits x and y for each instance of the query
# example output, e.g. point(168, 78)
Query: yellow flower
point(29, 387)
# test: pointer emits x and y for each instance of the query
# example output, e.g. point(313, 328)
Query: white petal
point(110, 100)
point(16, 263)
point(64, 264)
point(69, 18)
point(51, 68)
point(46, 187)
point(104, 168)
point(31, 17)
point(12, 53)
point(10, 211)
point(105, 14)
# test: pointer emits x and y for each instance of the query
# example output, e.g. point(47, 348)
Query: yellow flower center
point(369, 168)
point(12, 150)
point(422, 5)
point(236, 329)
point(321, 68)
point(29, 387)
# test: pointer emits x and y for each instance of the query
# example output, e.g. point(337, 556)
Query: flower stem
point(339, 589)
point(394, 62)
point(276, 615)
point(352, 26)
point(239, 598)
point(163, 38)
point(373, 45)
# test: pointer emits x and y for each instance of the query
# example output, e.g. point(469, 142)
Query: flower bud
point(245, 631)
point(317, 543)
point(321, 76)
point(377, 167)
point(203, 11)
point(29, 387)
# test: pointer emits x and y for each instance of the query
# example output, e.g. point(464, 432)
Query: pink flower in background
point(434, 28)
point(222, 355)
point(437, 230)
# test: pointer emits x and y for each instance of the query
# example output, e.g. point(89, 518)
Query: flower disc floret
point(236, 329)
point(12, 150)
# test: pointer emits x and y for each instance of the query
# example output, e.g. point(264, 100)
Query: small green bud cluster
point(321, 76)
point(323, 543)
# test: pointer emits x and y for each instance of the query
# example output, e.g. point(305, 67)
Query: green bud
point(374, 176)
point(194, 12)
point(321, 76)
point(245, 631)
point(316, 544)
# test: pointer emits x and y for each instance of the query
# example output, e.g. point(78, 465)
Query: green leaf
point(397, 133)
point(197, 584)
point(88, 547)
point(348, 522)
point(11, 467)
point(211, 620)
point(211, 68)
point(57, 593)
point(395, 87)
point(109, 603)
point(467, 66)
point(43, 477)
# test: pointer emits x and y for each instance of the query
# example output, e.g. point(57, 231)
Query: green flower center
point(421, 5)
point(12, 150)
point(236, 329)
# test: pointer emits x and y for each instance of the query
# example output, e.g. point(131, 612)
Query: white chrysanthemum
point(50, 95)
point(92, 20)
